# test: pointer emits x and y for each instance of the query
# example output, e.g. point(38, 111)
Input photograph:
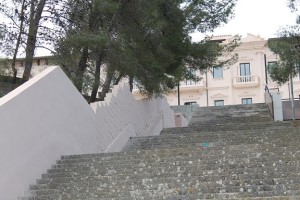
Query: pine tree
point(287, 47)
point(147, 42)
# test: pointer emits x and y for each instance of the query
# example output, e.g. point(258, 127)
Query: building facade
point(242, 83)
point(39, 64)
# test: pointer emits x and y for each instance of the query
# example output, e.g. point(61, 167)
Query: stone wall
point(47, 117)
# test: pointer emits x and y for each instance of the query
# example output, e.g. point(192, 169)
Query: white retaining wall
point(47, 117)
point(131, 117)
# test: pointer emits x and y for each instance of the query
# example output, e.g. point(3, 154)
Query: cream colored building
point(242, 83)
point(39, 64)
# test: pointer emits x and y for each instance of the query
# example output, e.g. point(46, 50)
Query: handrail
point(269, 100)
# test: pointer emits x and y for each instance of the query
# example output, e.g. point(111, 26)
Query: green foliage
point(5, 70)
point(147, 40)
point(208, 53)
point(287, 49)
point(294, 5)
point(206, 15)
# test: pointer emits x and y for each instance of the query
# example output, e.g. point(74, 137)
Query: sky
point(259, 17)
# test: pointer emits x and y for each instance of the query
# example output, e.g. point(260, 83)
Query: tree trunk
point(131, 83)
point(97, 78)
point(13, 64)
point(35, 16)
point(106, 85)
point(82, 65)
point(81, 68)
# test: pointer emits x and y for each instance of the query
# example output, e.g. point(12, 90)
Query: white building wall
point(252, 50)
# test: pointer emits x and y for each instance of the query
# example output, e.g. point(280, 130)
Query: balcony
point(187, 85)
point(245, 81)
point(190, 85)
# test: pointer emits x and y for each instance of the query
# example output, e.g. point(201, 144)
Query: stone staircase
point(231, 152)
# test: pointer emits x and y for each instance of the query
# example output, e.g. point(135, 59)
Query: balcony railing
point(184, 85)
point(245, 81)
point(189, 82)
point(191, 85)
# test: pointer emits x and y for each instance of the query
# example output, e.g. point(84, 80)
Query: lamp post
point(292, 94)
point(178, 93)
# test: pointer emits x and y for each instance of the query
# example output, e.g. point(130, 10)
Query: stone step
point(192, 139)
point(194, 187)
point(205, 144)
point(201, 153)
point(232, 193)
point(219, 127)
point(213, 164)
point(231, 113)
point(201, 165)
point(167, 171)
point(41, 197)
point(258, 107)
point(168, 168)
point(175, 182)
point(179, 197)
point(264, 196)
point(222, 119)
point(155, 182)
point(224, 134)
point(152, 177)
point(219, 131)
point(201, 156)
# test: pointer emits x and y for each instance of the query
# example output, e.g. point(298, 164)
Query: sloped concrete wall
point(41, 120)
point(130, 117)
point(47, 117)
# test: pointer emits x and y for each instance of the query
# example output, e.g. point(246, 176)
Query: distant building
point(242, 83)
point(39, 64)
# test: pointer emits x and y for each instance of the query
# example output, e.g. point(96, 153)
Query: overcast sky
point(259, 17)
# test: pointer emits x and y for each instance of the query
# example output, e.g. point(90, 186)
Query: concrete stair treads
point(230, 152)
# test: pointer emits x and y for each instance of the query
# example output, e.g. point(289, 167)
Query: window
point(219, 102)
point(191, 73)
point(270, 66)
point(247, 101)
point(190, 103)
point(218, 72)
point(245, 69)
